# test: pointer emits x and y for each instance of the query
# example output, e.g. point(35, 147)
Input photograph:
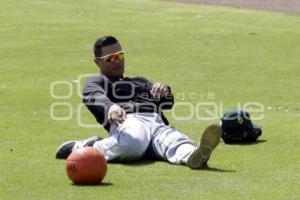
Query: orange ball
point(86, 166)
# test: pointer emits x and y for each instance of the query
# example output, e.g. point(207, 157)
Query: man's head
point(109, 56)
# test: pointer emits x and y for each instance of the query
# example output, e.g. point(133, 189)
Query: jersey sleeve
point(96, 100)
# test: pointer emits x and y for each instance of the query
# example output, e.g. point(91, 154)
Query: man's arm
point(96, 100)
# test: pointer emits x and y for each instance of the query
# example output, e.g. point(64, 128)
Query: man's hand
point(159, 89)
point(116, 114)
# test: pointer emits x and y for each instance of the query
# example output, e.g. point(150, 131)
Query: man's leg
point(128, 141)
point(173, 146)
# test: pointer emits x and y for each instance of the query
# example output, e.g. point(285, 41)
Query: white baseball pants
point(141, 132)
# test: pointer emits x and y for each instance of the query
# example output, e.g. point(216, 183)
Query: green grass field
point(240, 56)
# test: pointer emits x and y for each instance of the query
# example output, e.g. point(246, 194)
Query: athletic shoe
point(209, 140)
point(64, 150)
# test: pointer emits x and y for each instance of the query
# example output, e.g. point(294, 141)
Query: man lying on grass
point(130, 109)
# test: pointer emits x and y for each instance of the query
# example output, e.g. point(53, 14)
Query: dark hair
point(102, 42)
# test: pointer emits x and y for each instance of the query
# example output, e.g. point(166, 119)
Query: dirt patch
point(292, 6)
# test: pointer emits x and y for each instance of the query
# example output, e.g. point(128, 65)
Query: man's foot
point(209, 140)
point(64, 150)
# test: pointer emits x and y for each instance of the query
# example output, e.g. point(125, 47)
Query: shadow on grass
point(103, 184)
point(136, 163)
point(142, 162)
point(213, 169)
point(248, 143)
